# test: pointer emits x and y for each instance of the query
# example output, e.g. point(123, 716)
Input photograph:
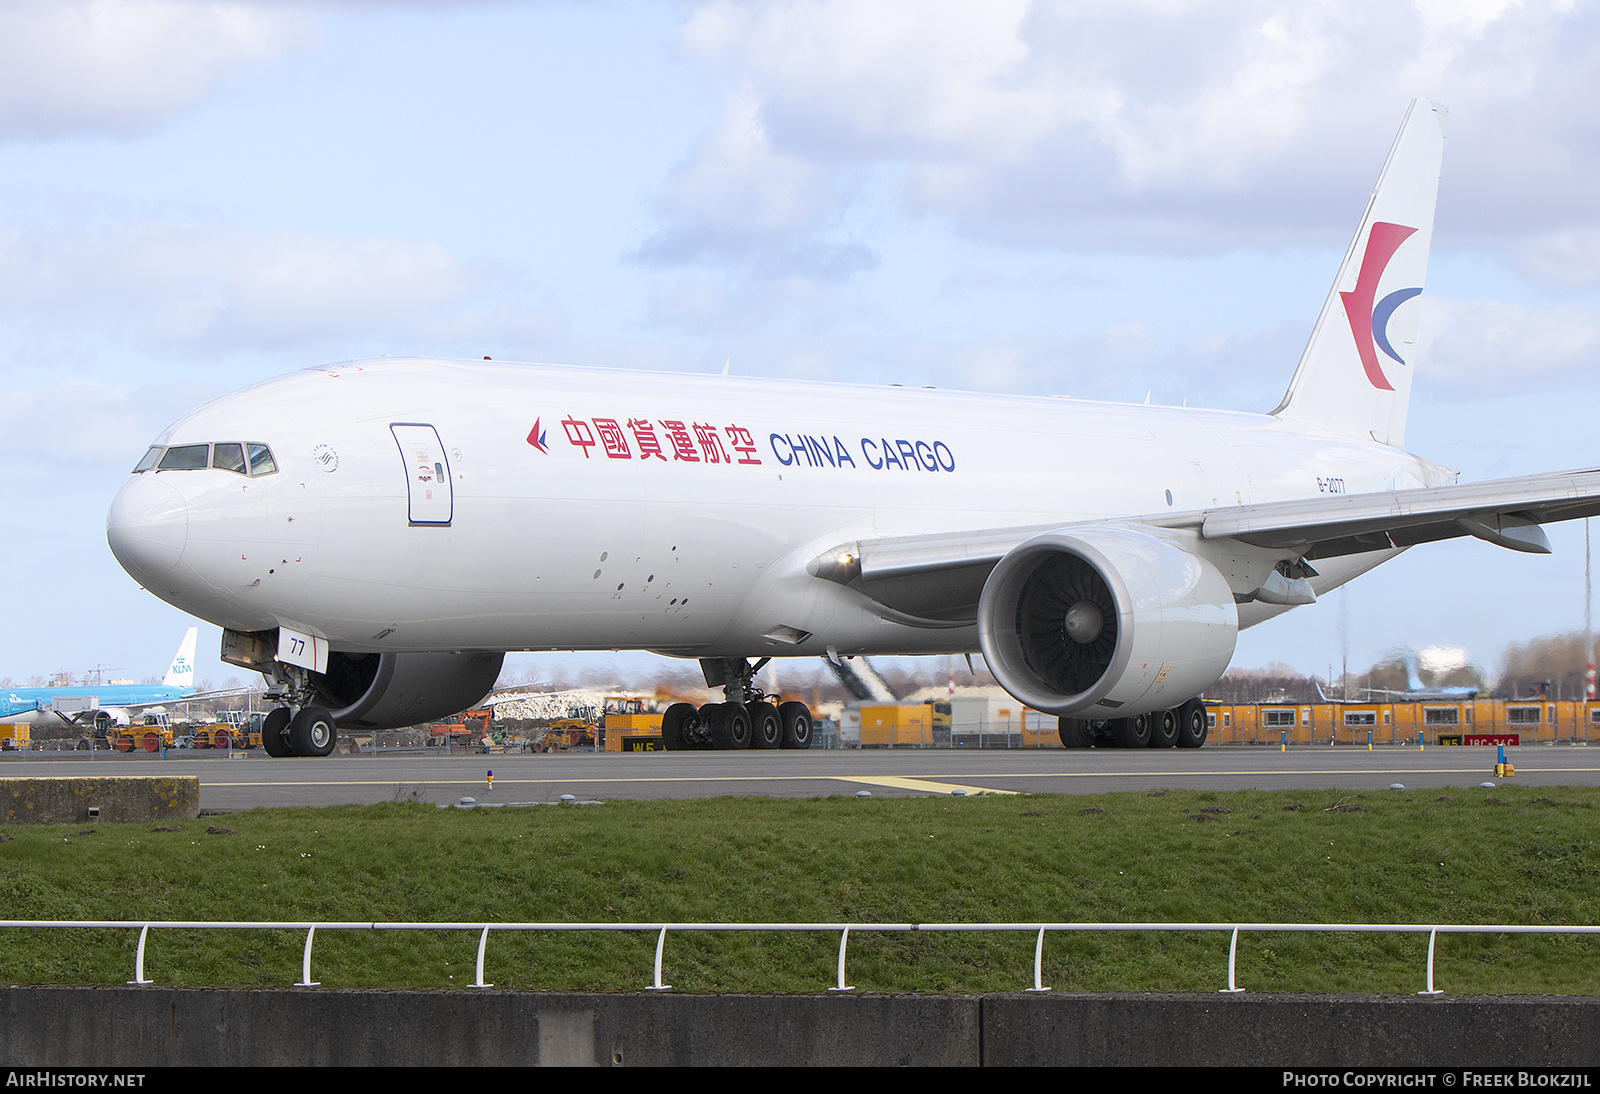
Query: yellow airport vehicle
point(629, 727)
point(236, 730)
point(897, 725)
point(152, 737)
point(1476, 721)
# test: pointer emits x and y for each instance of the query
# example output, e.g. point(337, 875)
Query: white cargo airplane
point(374, 536)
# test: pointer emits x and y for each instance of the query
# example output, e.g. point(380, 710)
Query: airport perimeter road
point(253, 780)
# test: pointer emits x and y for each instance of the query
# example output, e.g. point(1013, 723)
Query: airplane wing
point(1506, 512)
point(199, 696)
point(935, 580)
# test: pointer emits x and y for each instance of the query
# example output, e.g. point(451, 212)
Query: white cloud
point(843, 75)
point(58, 433)
point(736, 177)
point(1160, 125)
point(1566, 257)
point(1477, 348)
point(737, 200)
point(126, 66)
point(209, 288)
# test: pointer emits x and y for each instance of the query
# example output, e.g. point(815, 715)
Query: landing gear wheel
point(1075, 733)
point(697, 730)
point(796, 719)
point(311, 732)
point(1193, 725)
point(678, 715)
point(730, 727)
point(1163, 729)
point(1130, 732)
point(766, 726)
point(273, 729)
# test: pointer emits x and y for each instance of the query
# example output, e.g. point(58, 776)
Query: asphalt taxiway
point(253, 780)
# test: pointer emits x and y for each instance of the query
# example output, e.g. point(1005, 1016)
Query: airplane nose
point(147, 527)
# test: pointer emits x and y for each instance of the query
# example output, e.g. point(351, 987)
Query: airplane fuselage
point(425, 505)
point(25, 703)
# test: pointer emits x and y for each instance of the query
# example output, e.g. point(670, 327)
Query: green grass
point(1510, 855)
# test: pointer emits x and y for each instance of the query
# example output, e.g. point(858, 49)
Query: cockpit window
point(185, 457)
point(261, 461)
point(228, 457)
point(254, 459)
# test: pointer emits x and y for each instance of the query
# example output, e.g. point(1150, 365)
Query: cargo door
point(428, 493)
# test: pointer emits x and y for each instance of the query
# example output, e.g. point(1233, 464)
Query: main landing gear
point(1183, 727)
point(749, 718)
point(299, 728)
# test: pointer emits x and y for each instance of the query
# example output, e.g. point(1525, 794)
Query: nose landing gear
point(299, 728)
point(273, 729)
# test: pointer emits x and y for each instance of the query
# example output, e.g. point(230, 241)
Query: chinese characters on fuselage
point(677, 441)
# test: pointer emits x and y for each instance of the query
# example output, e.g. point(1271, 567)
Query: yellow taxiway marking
point(926, 786)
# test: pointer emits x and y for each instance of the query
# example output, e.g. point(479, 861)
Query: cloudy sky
point(1104, 199)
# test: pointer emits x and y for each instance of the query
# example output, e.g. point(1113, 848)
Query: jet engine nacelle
point(1105, 622)
point(393, 690)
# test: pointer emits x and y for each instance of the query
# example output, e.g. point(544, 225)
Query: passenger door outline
point(430, 498)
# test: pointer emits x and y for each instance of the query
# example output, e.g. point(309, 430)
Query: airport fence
point(661, 930)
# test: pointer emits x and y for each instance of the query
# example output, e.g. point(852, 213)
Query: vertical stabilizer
point(1413, 677)
point(181, 674)
point(1355, 375)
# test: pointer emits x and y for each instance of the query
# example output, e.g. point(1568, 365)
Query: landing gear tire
point(1163, 728)
point(1131, 732)
point(697, 730)
point(273, 729)
point(796, 719)
point(1193, 725)
point(1075, 733)
point(678, 715)
point(766, 726)
point(311, 732)
point(730, 727)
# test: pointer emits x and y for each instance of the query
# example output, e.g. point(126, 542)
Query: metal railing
point(1433, 931)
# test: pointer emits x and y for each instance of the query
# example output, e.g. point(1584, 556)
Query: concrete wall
point(133, 1027)
point(121, 798)
point(149, 1027)
point(1292, 1030)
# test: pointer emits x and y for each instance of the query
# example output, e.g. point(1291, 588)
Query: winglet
point(1355, 375)
point(181, 674)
